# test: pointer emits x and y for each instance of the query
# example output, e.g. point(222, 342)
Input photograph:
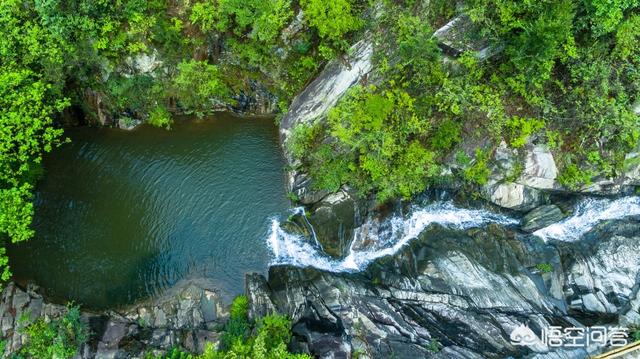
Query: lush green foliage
point(160, 117)
point(564, 73)
point(30, 55)
point(378, 131)
point(544, 267)
point(57, 339)
point(332, 19)
point(197, 84)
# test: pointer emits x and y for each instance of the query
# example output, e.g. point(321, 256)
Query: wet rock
point(334, 219)
point(541, 217)
point(115, 331)
point(258, 292)
point(602, 269)
point(128, 123)
point(467, 291)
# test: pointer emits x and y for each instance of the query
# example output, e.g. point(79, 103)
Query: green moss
point(544, 267)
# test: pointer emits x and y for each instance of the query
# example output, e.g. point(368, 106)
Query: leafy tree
point(29, 99)
point(332, 19)
point(199, 85)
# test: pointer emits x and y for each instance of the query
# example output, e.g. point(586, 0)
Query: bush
point(199, 86)
point(60, 338)
point(574, 177)
point(332, 19)
point(521, 128)
point(302, 139)
point(377, 135)
point(160, 117)
point(544, 267)
point(479, 171)
point(238, 325)
point(446, 135)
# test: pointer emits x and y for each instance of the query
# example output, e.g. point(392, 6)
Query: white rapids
point(587, 214)
point(389, 237)
point(296, 250)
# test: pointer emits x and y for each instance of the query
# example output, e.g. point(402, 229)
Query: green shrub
point(478, 172)
point(521, 128)
point(446, 135)
point(332, 19)
point(60, 338)
point(544, 267)
point(199, 86)
point(302, 139)
point(238, 325)
point(434, 346)
point(378, 148)
point(574, 177)
point(160, 117)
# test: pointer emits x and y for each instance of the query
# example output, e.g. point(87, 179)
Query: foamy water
point(390, 236)
point(588, 213)
point(296, 250)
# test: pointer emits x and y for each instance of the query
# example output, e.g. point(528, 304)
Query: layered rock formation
point(452, 294)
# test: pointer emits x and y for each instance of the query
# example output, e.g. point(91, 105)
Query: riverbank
point(188, 316)
point(451, 292)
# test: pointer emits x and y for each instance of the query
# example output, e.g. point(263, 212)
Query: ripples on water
point(121, 216)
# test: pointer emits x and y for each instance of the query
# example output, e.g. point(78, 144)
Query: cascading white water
point(296, 250)
point(588, 213)
point(389, 237)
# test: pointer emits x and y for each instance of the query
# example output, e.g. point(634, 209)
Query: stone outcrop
point(187, 316)
point(314, 102)
point(452, 294)
point(541, 217)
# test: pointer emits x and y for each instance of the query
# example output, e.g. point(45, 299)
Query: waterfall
point(392, 234)
point(587, 214)
point(296, 250)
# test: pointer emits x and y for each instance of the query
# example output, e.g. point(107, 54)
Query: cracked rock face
point(465, 291)
point(603, 270)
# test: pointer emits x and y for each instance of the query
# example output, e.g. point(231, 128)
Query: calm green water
point(120, 216)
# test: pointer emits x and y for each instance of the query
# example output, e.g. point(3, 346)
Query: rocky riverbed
point(449, 293)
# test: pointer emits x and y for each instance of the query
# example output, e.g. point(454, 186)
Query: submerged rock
point(334, 219)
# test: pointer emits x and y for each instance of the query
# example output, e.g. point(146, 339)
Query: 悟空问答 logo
point(523, 335)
